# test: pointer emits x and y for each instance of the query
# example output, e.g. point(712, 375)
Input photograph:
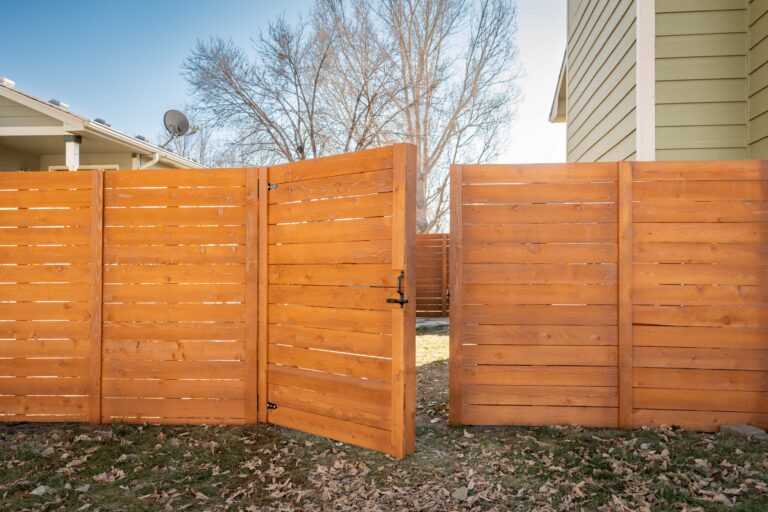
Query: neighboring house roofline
point(76, 124)
point(557, 110)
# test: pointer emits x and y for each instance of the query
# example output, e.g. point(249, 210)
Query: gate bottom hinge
point(271, 406)
point(271, 186)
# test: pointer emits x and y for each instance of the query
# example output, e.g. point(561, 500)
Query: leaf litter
point(264, 467)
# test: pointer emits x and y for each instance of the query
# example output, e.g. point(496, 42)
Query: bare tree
point(270, 103)
point(456, 60)
point(312, 89)
point(437, 73)
point(360, 93)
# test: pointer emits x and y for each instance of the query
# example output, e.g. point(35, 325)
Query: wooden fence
point(432, 274)
point(50, 296)
point(214, 296)
point(610, 294)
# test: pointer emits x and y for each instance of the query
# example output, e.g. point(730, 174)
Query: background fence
point(432, 274)
point(610, 294)
point(131, 296)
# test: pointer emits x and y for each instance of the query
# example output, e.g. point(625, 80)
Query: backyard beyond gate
point(214, 296)
point(610, 294)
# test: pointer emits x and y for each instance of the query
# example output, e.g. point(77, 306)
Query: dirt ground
point(79, 467)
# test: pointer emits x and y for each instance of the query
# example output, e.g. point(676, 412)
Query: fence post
point(97, 294)
point(403, 376)
point(263, 286)
point(455, 377)
point(251, 294)
point(626, 405)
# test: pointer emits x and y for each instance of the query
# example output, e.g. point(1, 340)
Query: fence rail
point(432, 274)
point(610, 294)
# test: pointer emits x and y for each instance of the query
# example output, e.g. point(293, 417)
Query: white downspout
point(155, 159)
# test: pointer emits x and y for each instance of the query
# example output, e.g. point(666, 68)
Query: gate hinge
point(402, 300)
point(448, 295)
point(271, 406)
point(271, 186)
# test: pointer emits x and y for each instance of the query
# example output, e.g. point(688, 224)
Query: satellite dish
point(176, 123)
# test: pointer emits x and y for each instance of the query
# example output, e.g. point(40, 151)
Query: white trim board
point(645, 80)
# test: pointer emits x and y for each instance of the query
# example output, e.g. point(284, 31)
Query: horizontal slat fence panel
point(337, 359)
point(214, 296)
point(48, 295)
point(534, 294)
point(700, 294)
point(175, 296)
point(630, 294)
point(432, 274)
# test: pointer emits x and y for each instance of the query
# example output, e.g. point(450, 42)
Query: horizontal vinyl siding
point(601, 80)
point(701, 69)
point(13, 114)
point(757, 42)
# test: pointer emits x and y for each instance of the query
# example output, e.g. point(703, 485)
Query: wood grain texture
point(97, 293)
point(251, 351)
point(700, 301)
point(50, 264)
point(456, 272)
point(648, 279)
point(339, 360)
point(625, 320)
point(535, 274)
point(178, 270)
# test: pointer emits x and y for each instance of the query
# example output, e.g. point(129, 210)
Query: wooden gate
point(337, 357)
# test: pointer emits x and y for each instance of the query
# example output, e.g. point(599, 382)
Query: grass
point(121, 467)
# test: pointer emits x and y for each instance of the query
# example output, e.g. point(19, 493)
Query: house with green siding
point(664, 80)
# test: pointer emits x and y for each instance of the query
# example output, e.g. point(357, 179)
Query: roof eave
point(140, 146)
point(75, 123)
point(557, 110)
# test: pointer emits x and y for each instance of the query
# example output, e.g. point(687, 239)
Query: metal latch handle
point(402, 300)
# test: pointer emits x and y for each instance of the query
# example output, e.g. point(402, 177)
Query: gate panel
point(534, 337)
point(337, 359)
point(175, 296)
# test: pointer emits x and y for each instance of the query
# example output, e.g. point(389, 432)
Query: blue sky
point(122, 60)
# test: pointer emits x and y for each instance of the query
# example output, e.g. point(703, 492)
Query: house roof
point(75, 124)
point(557, 111)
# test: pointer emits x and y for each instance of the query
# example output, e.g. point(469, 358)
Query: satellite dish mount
point(176, 124)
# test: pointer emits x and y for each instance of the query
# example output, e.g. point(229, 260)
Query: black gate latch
point(402, 300)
